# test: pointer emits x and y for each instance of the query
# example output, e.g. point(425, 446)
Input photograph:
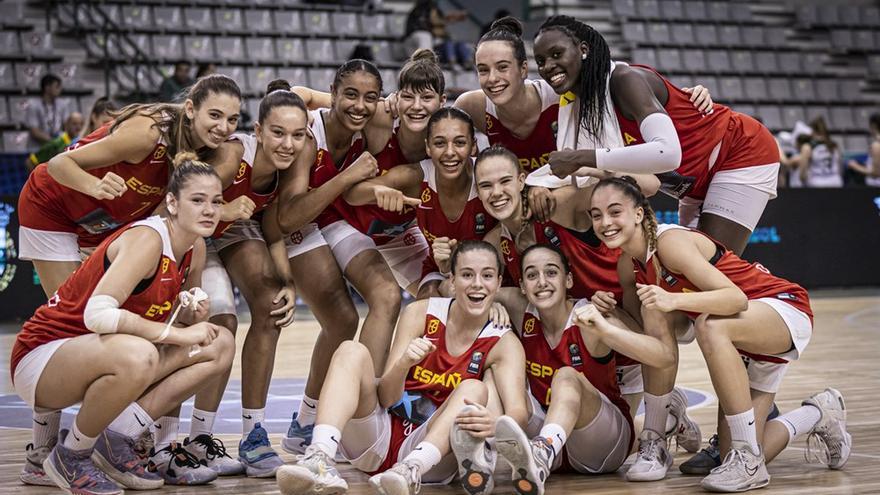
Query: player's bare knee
point(134, 356)
point(385, 295)
point(710, 332)
point(473, 390)
point(565, 376)
point(352, 352)
point(227, 321)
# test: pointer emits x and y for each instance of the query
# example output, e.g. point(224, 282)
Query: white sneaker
point(742, 470)
point(33, 473)
point(529, 460)
point(404, 478)
point(653, 459)
point(211, 452)
point(314, 473)
point(830, 432)
point(687, 432)
point(476, 463)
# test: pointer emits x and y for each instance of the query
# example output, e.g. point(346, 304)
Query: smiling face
point(559, 59)
point(354, 100)
point(450, 145)
point(476, 280)
point(416, 107)
point(616, 219)
point(214, 120)
point(501, 76)
point(197, 208)
point(500, 185)
point(282, 135)
point(545, 280)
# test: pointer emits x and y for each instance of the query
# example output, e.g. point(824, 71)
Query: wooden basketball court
point(843, 354)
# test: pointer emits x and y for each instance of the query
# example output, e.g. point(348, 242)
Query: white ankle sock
point(326, 438)
point(800, 421)
point(77, 440)
point(202, 423)
point(166, 429)
point(557, 436)
point(656, 412)
point(742, 428)
point(426, 455)
point(132, 421)
point(46, 428)
point(308, 411)
point(250, 418)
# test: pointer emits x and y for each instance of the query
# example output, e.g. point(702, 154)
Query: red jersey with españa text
point(439, 373)
point(382, 225)
point(534, 150)
point(473, 223)
point(46, 205)
point(752, 278)
point(325, 168)
point(62, 316)
point(593, 264)
point(242, 185)
point(543, 361)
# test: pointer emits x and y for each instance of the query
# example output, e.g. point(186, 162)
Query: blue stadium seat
point(258, 78)
point(870, 16)
point(9, 43)
point(694, 60)
point(288, 22)
point(168, 18)
point(375, 24)
point(396, 24)
point(764, 62)
point(827, 90)
point(18, 107)
point(343, 48)
point(136, 16)
point(730, 35)
point(383, 52)
point(296, 76)
point(644, 56)
point(745, 109)
point(862, 113)
point(37, 43)
point(321, 79)
point(803, 89)
point(648, 9)
point(669, 59)
point(28, 75)
point(229, 20)
point(290, 50)
point(140, 41)
point(790, 63)
point(199, 48)
point(167, 47)
point(345, 23)
point(772, 117)
point(258, 20)
point(842, 39)
point(235, 72)
point(779, 89)
point(230, 49)
point(320, 50)
point(740, 12)
point(4, 111)
point(849, 15)
point(707, 35)
point(732, 88)
point(7, 75)
point(791, 114)
point(843, 119)
point(753, 36)
point(827, 15)
point(658, 33)
point(718, 11)
point(316, 22)
point(259, 49)
point(694, 10)
point(624, 8)
point(634, 32)
point(683, 34)
point(863, 39)
point(15, 141)
point(755, 88)
point(199, 19)
point(851, 89)
point(742, 61)
point(672, 10)
point(68, 72)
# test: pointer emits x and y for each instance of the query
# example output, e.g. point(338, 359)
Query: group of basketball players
point(538, 267)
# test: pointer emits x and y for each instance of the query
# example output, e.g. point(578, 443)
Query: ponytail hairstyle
point(820, 131)
point(278, 94)
point(593, 77)
point(566, 267)
point(496, 150)
point(356, 65)
point(170, 118)
point(507, 29)
point(422, 71)
point(474, 245)
point(102, 105)
point(630, 188)
point(453, 113)
point(186, 165)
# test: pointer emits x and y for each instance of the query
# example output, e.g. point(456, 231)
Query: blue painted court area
point(285, 395)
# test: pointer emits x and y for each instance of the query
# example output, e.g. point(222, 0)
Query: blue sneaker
point(256, 453)
point(74, 472)
point(298, 437)
point(115, 454)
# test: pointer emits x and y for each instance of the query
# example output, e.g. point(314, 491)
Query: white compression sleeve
point(661, 151)
point(102, 314)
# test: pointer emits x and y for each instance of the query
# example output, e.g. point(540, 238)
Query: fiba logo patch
point(479, 224)
point(474, 366)
point(433, 326)
point(574, 353)
point(555, 127)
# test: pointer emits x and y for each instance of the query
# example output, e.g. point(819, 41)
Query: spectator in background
point(172, 87)
point(205, 70)
point(70, 135)
point(426, 28)
point(818, 162)
point(498, 15)
point(102, 112)
point(45, 117)
point(871, 168)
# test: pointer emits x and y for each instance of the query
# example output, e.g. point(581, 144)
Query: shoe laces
point(730, 459)
point(412, 473)
point(183, 457)
point(543, 452)
point(649, 449)
point(257, 438)
point(315, 457)
point(214, 447)
point(818, 450)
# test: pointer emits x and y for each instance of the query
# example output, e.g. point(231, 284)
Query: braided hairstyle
point(630, 188)
point(497, 150)
point(593, 78)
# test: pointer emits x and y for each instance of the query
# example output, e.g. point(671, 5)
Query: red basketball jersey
point(62, 316)
point(242, 185)
point(593, 265)
point(381, 225)
point(472, 224)
point(534, 150)
point(52, 206)
point(325, 168)
point(752, 278)
point(543, 361)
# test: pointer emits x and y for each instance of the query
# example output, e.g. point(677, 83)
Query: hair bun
point(183, 157)
point(510, 24)
point(424, 54)
point(278, 84)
